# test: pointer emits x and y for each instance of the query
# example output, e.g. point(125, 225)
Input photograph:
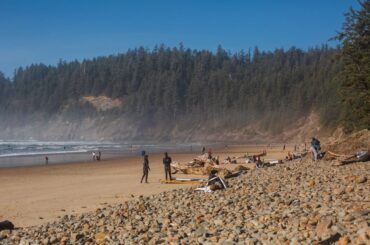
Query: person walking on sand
point(46, 160)
point(93, 155)
point(146, 169)
point(167, 165)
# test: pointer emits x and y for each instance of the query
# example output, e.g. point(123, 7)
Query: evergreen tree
point(355, 55)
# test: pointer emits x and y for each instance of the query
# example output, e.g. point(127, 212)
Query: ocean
point(26, 153)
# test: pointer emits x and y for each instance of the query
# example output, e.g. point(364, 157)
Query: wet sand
point(39, 194)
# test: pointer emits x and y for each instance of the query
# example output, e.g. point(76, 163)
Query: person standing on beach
point(93, 155)
point(315, 148)
point(46, 160)
point(146, 169)
point(167, 165)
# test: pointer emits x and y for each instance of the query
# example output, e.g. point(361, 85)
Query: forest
point(175, 84)
point(179, 87)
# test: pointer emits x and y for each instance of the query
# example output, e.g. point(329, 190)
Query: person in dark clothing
point(167, 166)
point(203, 150)
point(316, 144)
point(146, 169)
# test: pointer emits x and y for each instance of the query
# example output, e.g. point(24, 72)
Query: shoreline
point(62, 157)
point(296, 202)
point(34, 195)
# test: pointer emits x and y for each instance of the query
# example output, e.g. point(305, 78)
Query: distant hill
point(174, 94)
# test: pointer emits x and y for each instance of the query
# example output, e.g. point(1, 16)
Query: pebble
point(292, 203)
point(361, 179)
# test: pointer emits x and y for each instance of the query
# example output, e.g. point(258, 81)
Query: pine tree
point(355, 76)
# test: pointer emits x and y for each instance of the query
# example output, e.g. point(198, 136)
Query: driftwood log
point(339, 155)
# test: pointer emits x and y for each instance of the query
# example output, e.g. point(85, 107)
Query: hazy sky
point(44, 31)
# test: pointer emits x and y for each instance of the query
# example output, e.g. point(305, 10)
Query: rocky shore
point(298, 202)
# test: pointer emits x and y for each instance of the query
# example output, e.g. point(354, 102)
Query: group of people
point(96, 156)
point(166, 163)
point(315, 149)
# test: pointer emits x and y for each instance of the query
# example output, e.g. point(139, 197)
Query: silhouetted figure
point(46, 160)
point(203, 150)
point(167, 166)
point(284, 147)
point(146, 169)
point(99, 156)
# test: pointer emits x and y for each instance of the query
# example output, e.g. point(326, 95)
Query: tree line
point(177, 84)
point(182, 87)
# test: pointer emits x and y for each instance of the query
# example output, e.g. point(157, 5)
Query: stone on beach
point(293, 203)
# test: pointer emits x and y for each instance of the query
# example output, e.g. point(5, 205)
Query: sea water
point(31, 152)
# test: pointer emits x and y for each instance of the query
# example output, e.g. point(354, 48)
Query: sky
point(46, 31)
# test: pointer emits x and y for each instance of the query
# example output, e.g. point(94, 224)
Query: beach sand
point(39, 194)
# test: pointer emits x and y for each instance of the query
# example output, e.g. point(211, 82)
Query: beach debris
point(299, 155)
point(359, 156)
point(342, 159)
point(202, 165)
point(300, 202)
point(214, 183)
point(338, 155)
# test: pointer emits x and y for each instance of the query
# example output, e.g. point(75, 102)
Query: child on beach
point(146, 169)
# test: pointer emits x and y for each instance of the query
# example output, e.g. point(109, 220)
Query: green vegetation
point(355, 74)
point(177, 86)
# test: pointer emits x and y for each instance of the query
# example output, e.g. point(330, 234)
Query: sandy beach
point(39, 194)
point(297, 202)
